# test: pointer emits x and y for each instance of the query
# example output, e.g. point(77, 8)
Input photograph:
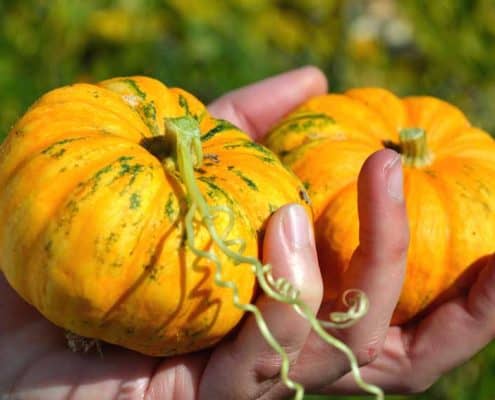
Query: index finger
point(257, 107)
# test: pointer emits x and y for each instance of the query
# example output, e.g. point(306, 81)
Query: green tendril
point(189, 156)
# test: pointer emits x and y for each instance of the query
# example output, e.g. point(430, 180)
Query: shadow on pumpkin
point(190, 314)
point(460, 287)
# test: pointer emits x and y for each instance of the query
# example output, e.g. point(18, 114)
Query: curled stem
point(188, 156)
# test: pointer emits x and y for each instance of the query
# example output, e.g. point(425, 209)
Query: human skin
point(36, 363)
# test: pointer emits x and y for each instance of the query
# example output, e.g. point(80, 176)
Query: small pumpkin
point(92, 209)
point(449, 171)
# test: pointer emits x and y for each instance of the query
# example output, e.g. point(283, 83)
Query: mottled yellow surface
point(92, 228)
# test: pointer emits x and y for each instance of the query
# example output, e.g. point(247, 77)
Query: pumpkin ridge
point(290, 157)
point(251, 181)
point(325, 149)
point(59, 223)
point(66, 126)
point(245, 151)
point(233, 189)
point(224, 137)
point(348, 114)
point(439, 186)
point(333, 272)
point(478, 162)
point(468, 140)
point(343, 188)
point(383, 102)
point(221, 127)
point(164, 227)
point(434, 123)
point(150, 100)
point(23, 162)
point(43, 112)
point(297, 132)
point(435, 183)
point(26, 164)
point(377, 111)
point(298, 116)
point(32, 152)
point(96, 166)
point(92, 105)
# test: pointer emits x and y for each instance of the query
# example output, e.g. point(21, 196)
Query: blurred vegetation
point(444, 48)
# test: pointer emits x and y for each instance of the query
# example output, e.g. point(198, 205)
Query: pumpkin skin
point(93, 232)
point(449, 194)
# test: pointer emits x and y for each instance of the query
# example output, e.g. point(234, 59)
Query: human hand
point(403, 359)
point(37, 363)
point(414, 356)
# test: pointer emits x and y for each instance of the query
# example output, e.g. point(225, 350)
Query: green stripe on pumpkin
point(134, 86)
point(54, 151)
point(170, 210)
point(135, 201)
point(220, 127)
point(249, 144)
point(148, 115)
point(305, 121)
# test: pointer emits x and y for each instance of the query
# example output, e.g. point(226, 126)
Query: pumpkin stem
point(186, 129)
point(413, 146)
point(188, 155)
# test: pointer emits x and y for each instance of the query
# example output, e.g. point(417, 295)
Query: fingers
point(481, 301)
point(257, 107)
point(416, 356)
point(24, 335)
point(247, 366)
point(454, 331)
point(378, 264)
point(377, 268)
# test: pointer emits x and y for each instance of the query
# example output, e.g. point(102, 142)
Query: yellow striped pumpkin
point(92, 215)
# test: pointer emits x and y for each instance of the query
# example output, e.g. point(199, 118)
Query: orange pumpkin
point(92, 214)
point(449, 171)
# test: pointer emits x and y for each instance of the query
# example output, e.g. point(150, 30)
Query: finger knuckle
point(268, 364)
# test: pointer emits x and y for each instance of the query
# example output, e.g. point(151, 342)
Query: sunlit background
point(444, 48)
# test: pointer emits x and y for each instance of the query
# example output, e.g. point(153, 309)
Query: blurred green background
point(444, 48)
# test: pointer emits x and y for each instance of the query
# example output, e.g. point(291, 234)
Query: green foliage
point(207, 47)
point(445, 48)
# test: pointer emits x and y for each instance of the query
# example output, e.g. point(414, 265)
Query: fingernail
point(395, 182)
point(297, 228)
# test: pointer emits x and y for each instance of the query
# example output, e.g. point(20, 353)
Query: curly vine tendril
point(189, 156)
